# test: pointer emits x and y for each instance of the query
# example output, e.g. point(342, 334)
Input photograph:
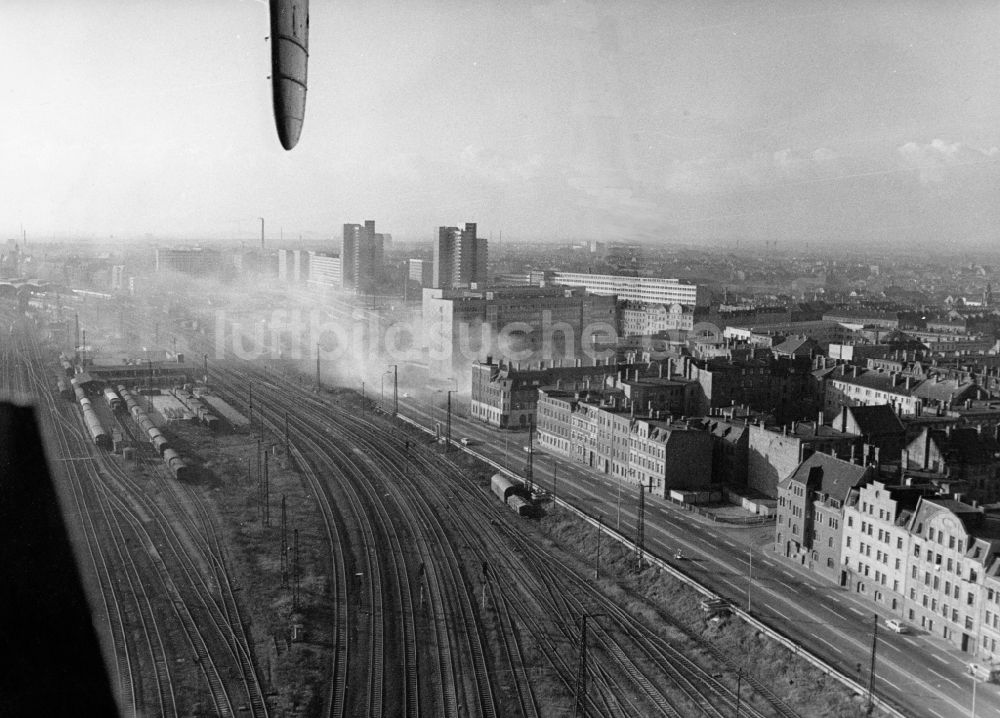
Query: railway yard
point(321, 558)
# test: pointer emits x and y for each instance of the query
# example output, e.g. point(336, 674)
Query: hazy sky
point(681, 120)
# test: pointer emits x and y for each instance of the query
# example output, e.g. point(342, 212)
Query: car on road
point(529, 450)
point(466, 441)
point(897, 626)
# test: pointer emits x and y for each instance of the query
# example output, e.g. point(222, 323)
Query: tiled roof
point(837, 477)
point(877, 419)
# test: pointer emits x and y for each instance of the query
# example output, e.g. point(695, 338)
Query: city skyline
point(681, 123)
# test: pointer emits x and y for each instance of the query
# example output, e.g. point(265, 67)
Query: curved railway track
point(642, 660)
point(151, 548)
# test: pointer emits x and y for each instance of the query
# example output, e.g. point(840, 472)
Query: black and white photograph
point(480, 359)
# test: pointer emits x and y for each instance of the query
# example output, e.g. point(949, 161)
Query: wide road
point(923, 675)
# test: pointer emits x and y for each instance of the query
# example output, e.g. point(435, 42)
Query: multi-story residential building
point(809, 526)
point(505, 395)
point(779, 386)
point(190, 260)
point(774, 452)
point(989, 618)
point(664, 456)
point(528, 324)
point(822, 332)
point(906, 394)
point(969, 455)
point(877, 425)
point(644, 320)
point(730, 451)
point(876, 542)
point(420, 271)
point(459, 258)
point(599, 430)
point(953, 544)
point(362, 255)
point(651, 290)
point(324, 271)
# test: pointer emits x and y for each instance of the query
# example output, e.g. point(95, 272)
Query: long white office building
point(654, 290)
point(325, 270)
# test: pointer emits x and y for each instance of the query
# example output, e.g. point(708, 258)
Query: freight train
point(177, 465)
point(514, 494)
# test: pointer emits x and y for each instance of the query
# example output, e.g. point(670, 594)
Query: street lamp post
point(395, 389)
point(447, 440)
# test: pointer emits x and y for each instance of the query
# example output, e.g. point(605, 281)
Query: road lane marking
point(832, 647)
point(934, 655)
point(943, 677)
point(857, 611)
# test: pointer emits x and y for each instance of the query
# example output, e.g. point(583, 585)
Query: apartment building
point(780, 386)
point(362, 255)
point(663, 456)
point(324, 271)
point(810, 512)
point(505, 395)
point(639, 319)
point(459, 258)
point(876, 542)
point(601, 430)
point(774, 452)
point(953, 545)
point(968, 455)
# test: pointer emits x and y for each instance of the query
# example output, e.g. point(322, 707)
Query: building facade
point(647, 290)
point(810, 509)
point(527, 324)
point(459, 258)
point(362, 254)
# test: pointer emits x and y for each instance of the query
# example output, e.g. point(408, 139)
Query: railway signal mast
point(284, 544)
point(640, 528)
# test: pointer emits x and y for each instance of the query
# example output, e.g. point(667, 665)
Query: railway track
point(150, 547)
point(701, 691)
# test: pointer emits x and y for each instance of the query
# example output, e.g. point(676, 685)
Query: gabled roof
point(876, 419)
point(830, 475)
point(796, 346)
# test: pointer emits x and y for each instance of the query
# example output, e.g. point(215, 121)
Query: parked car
point(897, 626)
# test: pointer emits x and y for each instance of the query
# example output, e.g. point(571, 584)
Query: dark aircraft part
point(50, 652)
point(289, 63)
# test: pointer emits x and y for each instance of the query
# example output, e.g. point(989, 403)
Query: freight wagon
point(114, 401)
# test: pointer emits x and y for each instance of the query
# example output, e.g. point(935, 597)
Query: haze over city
point(646, 121)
